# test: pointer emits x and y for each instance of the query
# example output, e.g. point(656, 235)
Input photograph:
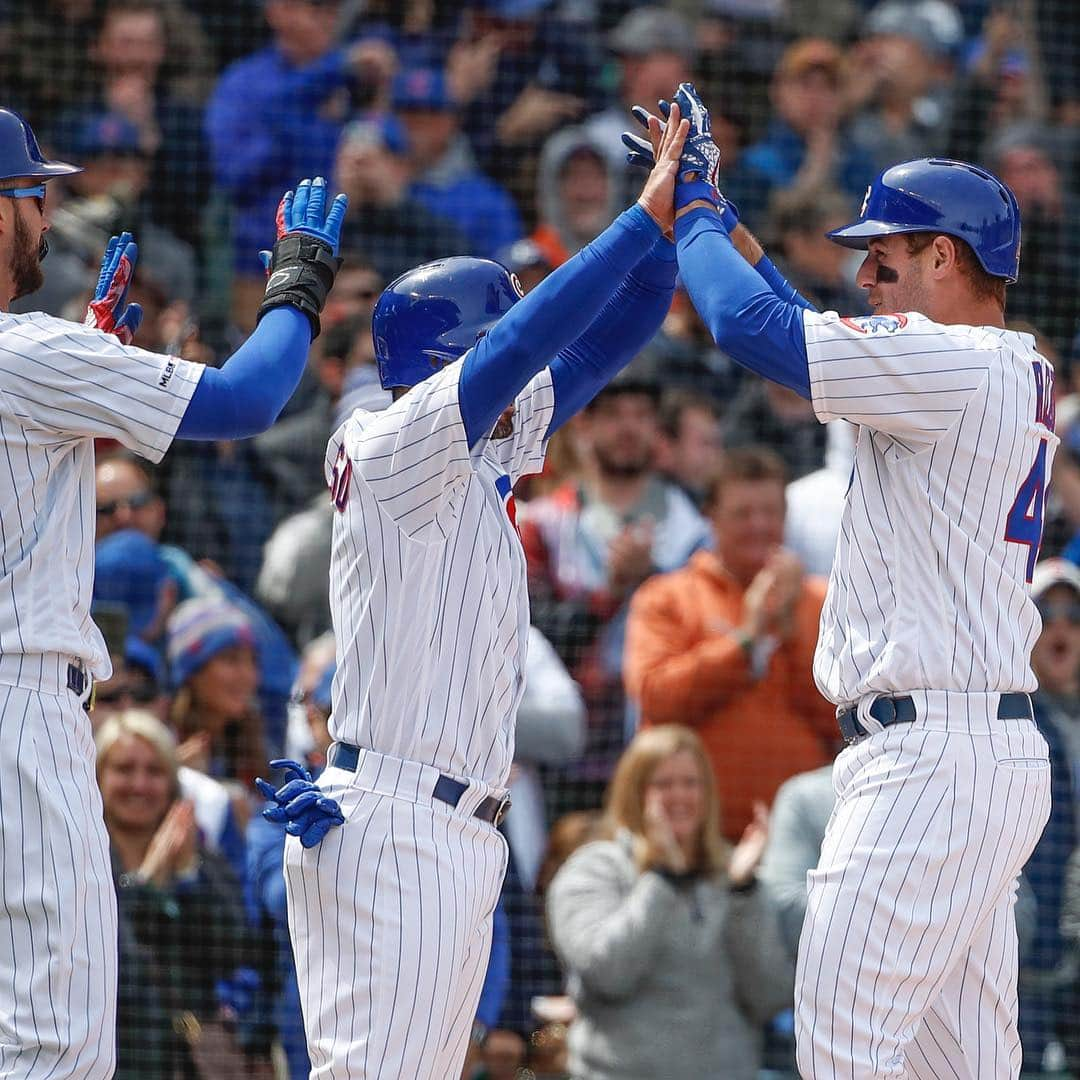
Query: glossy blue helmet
point(942, 196)
point(431, 316)
point(20, 154)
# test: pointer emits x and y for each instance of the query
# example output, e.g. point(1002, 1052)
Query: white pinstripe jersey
point(943, 516)
point(62, 385)
point(427, 578)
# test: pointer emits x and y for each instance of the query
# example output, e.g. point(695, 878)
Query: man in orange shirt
point(725, 643)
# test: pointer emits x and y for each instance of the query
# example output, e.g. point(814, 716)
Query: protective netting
point(493, 128)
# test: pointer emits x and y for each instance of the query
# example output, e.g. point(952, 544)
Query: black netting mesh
point(492, 128)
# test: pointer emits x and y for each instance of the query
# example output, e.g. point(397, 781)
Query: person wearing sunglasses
point(62, 385)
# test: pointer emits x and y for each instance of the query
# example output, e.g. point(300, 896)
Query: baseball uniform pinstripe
point(391, 914)
point(907, 960)
point(60, 386)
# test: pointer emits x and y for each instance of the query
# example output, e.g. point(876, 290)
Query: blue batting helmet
point(431, 316)
point(20, 154)
point(941, 196)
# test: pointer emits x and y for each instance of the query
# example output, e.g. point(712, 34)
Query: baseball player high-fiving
point(61, 385)
point(390, 913)
point(907, 958)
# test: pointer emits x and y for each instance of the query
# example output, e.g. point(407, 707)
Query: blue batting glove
point(299, 804)
point(699, 166)
point(303, 211)
point(109, 309)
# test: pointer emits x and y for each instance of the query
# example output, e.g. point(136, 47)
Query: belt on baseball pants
point(78, 681)
point(447, 789)
point(901, 710)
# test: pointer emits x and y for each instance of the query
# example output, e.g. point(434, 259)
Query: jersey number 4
point(1024, 524)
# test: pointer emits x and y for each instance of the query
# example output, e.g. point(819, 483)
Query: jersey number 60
point(1024, 524)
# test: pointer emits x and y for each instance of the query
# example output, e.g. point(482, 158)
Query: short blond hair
point(141, 725)
point(624, 807)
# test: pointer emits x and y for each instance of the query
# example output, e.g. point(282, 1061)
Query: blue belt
point(447, 789)
point(901, 710)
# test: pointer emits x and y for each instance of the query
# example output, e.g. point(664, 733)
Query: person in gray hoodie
point(673, 953)
point(577, 193)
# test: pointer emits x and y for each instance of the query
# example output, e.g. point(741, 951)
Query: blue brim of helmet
point(859, 234)
point(46, 170)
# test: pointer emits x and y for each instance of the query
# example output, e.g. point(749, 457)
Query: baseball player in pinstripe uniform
point(907, 957)
point(390, 913)
point(62, 385)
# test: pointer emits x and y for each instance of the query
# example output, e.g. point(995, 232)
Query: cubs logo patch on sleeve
point(876, 324)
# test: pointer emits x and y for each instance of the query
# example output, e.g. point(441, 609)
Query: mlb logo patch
point(876, 324)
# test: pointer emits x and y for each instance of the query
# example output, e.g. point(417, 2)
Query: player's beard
point(26, 256)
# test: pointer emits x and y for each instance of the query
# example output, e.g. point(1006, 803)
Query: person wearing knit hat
point(213, 666)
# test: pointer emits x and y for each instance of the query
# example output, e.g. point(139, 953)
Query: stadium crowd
point(677, 541)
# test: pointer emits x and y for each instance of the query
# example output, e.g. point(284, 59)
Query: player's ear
point(942, 255)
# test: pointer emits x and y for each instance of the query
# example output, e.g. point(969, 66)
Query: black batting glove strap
point(302, 272)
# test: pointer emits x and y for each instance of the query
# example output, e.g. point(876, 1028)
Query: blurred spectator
point(806, 145)
point(525, 259)
point(1070, 932)
point(1058, 29)
point(673, 954)
point(132, 579)
point(655, 50)
point(1046, 974)
point(1001, 85)
point(900, 84)
point(577, 194)
point(536, 72)
point(276, 116)
point(690, 446)
point(815, 502)
point(389, 229)
point(1023, 156)
point(683, 356)
point(177, 900)
point(821, 270)
point(213, 665)
point(291, 453)
point(800, 813)
point(767, 414)
point(264, 889)
point(152, 66)
point(113, 193)
point(728, 641)
point(126, 499)
point(445, 178)
point(293, 578)
point(502, 1058)
point(550, 730)
point(43, 46)
point(589, 544)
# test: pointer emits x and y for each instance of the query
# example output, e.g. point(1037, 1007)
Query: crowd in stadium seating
point(661, 598)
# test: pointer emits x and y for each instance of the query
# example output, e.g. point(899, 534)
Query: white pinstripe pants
point(57, 901)
point(907, 960)
point(390, 918)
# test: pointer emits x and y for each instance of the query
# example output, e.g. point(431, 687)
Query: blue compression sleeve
point(556, 313)
point(780, 284)
point(245, 395)
point(746, 318)
point(629, 320)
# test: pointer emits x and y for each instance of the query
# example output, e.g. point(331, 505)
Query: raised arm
point(567, 302)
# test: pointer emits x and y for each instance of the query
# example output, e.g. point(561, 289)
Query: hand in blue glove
point(300, 805)
point(700, 163)
point(302, 211)
point(109, 309)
